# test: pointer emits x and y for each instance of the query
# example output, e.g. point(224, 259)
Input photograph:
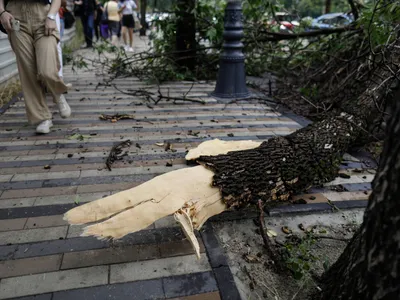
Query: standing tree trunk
point(186, 34)
point(369, 268)
point(143, 7)
point(328, 5)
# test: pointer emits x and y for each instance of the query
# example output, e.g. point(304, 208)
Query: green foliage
point(69, 48)
point(378, 21)
point(298, 256)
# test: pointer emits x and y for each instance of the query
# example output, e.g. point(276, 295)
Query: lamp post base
point(231, 82)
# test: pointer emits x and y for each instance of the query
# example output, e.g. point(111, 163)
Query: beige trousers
point(37, 58)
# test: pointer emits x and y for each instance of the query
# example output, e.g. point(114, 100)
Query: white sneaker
point(63, 107)
point(126, 47)
point(44, 127)
point(131, 49)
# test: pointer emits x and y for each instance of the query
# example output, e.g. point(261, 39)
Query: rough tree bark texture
point(186, 34)
point(369, 268)
point(328, 5)
point(282, 166)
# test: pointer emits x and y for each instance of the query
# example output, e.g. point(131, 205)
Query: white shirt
point(130, 6)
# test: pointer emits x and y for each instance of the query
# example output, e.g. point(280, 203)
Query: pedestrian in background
point(127, 9)
point(61, 12)
point(113, 15)
point(97, 21)
point(32, 31)
point(87, 12)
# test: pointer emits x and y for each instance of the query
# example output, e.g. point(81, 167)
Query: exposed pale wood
point(187, 193)
point(216, 147)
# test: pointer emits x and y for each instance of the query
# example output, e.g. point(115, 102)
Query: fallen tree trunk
point(272, 171)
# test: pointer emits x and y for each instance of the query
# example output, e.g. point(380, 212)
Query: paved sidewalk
point(42, 176)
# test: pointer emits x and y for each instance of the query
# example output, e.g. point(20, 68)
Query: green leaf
point(212, 33)
point(298, 275)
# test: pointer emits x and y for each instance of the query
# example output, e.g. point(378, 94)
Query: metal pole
point(231, 82)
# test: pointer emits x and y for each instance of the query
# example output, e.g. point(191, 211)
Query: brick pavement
point(40, 255)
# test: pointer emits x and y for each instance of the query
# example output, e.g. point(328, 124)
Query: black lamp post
point(231, 81)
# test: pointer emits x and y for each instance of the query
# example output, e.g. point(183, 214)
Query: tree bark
point(369, 268)
point(282, 166)
point(328, 5)
point(186, 34)
point(354, 9)
point(143, 7)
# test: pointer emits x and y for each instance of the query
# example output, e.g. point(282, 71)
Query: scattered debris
point(251, 258)
point(301, 227)
point(192, 133)
point(167, 146)
point(159, 144)
point(116, 117)
point(168, 164)
point(312, 198)
point(271, 233)
point(70, 155)
point(47, 167)
point(115, 153)
point(231, 135)
point(286, 230)
point(78, 136)
point(138, 146)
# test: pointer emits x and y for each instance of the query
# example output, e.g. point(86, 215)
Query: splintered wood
point(186, 193)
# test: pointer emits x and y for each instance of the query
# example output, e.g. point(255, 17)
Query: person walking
point(127, 8)
point(87, 12)
point(113, 20)
point(97, 21)
point(61, 12)
point(32, 31)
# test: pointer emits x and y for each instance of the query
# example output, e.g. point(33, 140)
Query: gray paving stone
point(52, 282)
point(21, 185)
point(59, 246)
point(25, 266)
point(141, 290)
point(32, 235)
point(45, 176)
point(16, 224)
point(36, 297)
point(158, 268)
point(5, 178)
point(190, 284)
point(112, 255)
point(21, 202)
point(7, 252)
point(45, 221)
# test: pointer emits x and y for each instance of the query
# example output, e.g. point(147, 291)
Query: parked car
point(332, 20)
point(287, 21)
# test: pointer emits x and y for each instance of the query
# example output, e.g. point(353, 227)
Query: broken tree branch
point(115, 153)
point(267, 243)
